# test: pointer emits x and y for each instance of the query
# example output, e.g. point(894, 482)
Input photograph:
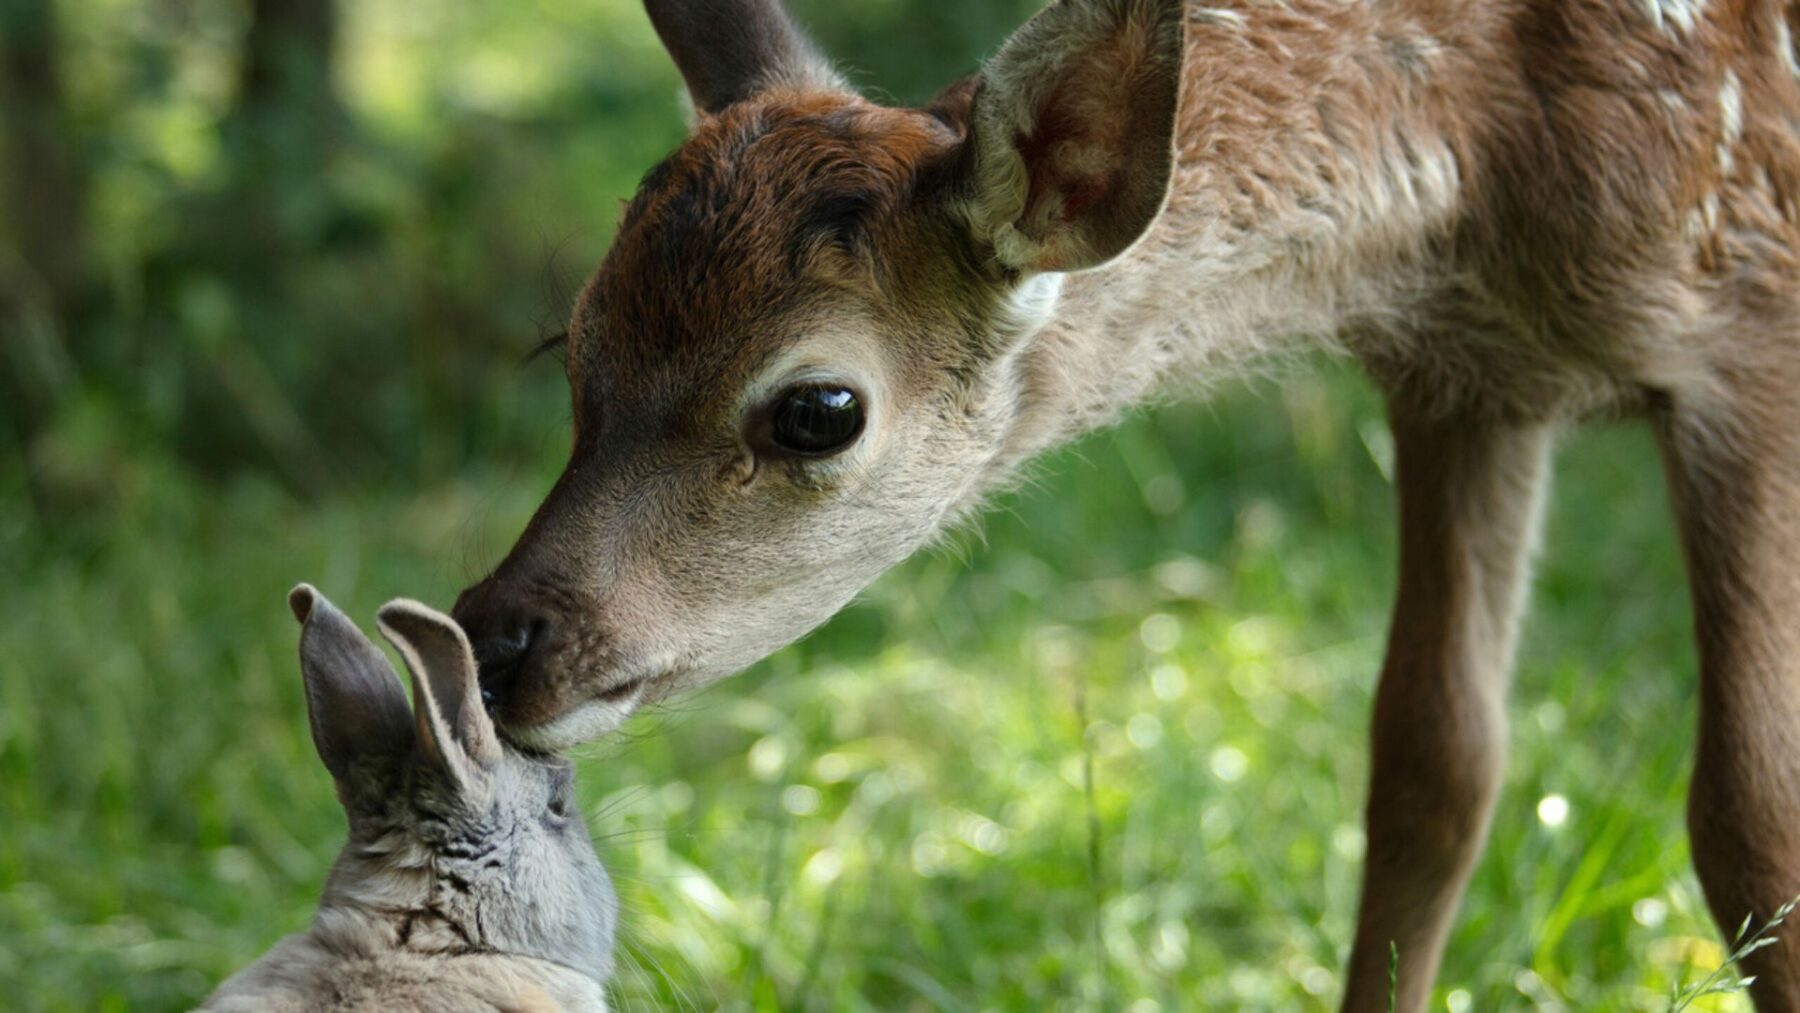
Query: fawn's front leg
point(1469, 495)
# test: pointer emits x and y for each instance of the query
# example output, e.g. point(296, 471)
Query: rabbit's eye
point(559, 808)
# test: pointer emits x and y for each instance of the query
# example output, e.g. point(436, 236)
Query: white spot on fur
point(1707, 223)
point(1675, 17)
point(1418, 177)
point(1034, 303)
point(1731, 121)
point(1415, 50)
point(1437, 178)
point(1731, 106)
point(1694, 226)
point(1216, 16)
point(1784, 47)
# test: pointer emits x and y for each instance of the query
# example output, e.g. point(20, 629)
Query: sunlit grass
point(897, 813)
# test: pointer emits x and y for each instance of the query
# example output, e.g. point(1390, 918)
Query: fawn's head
point(803, 350)
point(478, 846)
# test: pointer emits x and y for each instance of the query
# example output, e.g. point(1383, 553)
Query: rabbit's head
point(473, 845)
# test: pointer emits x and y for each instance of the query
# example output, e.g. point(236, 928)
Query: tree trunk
point(42, 270)
point(286, 120)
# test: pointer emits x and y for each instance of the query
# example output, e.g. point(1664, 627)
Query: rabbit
point(469, 881)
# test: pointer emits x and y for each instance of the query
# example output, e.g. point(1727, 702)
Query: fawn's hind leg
point(1469, 497)
point(1734, 470)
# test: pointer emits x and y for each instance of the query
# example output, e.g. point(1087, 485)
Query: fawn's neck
point(1322, 147)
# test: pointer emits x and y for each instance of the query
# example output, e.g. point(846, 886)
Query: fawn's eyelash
point(554, 343)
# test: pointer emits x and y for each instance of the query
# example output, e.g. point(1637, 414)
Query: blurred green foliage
point(268, 269)
point(315, 242)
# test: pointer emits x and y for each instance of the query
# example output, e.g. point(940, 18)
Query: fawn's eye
point(816, 420)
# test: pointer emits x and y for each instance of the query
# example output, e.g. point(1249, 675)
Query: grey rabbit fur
point(468, 881)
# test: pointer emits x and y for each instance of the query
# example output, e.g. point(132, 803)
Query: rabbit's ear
point(354, 701)
point(453, 728)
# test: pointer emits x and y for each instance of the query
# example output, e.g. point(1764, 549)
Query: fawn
point(827, 329)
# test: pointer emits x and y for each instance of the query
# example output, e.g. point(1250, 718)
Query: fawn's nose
point(504, 640)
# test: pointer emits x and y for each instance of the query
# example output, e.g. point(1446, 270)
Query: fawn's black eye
point(817, 420)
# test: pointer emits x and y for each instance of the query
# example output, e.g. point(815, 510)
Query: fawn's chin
point(588, 720)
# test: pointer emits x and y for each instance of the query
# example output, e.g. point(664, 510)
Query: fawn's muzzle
point(505, 639)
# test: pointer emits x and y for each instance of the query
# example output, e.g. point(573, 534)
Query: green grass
point(1107, 752)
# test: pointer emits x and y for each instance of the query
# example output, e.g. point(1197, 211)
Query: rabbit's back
point(299, 974)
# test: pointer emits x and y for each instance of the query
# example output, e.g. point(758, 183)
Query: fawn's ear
point(728, 50)
point(354, 702)
point(454, 730)
point(1072, 133)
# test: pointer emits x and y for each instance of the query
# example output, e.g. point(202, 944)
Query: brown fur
point(1514, 213)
